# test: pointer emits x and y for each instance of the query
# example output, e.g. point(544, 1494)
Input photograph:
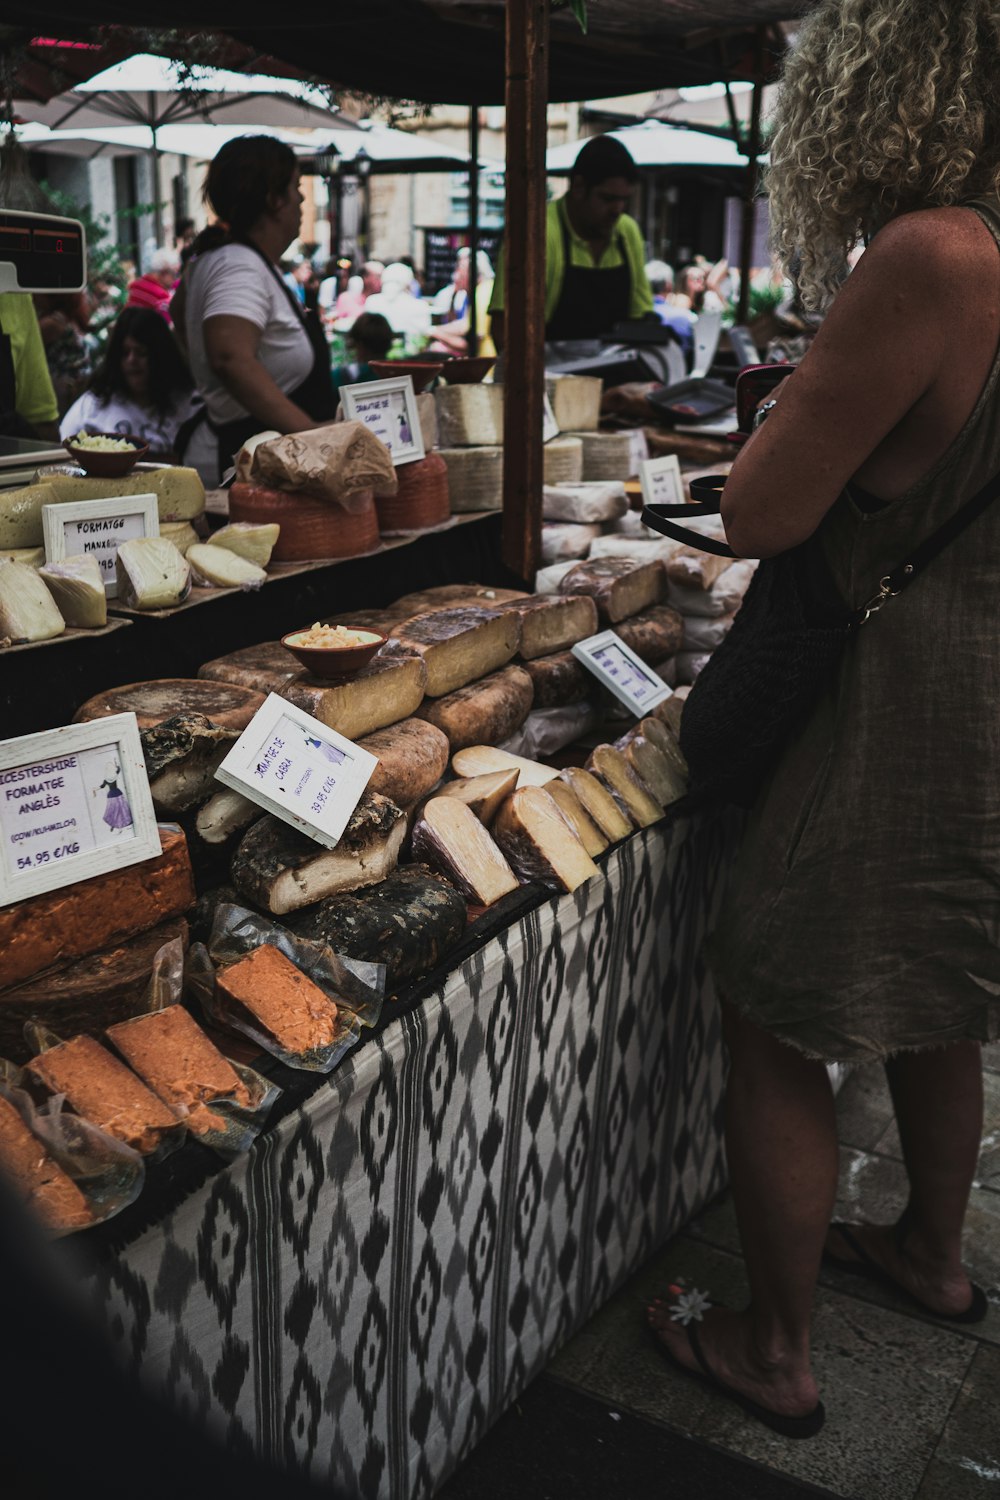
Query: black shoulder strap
point(706, 496)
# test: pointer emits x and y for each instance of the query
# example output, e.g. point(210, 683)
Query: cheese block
point(180, 494)
point(267, 667)
point(597, 803)
point(103, 1090)
point(28, 611)
point(483, 795)
point(475, 476)
point(224, 814)
point(693, 569)
point(308, 528)
point(77, 587)
point(562, 540)
point(634, 799)
point(559, 679)
point(562, 461)
point(181, 756)
point(469, 415)
point(151, 574)
point(96, 913)
point(449, 596)
point(420, 499)
point(268, 988)
point(654, 635)
point(21, 515)
point(459, 645)
point(37, 1179)
point(255, 543)
point(576, 401)
point(618, 587)
point(408, 922)
point(479, 760)
point(482, 712)
point(225, 704)
point(539, 842)
point(449, 837)
point(181, 533)
point(572, 809)
point(219, 568)
point(390, 688)
point(278, 869)
point(33, 556)
point(645, 551)
point(606, 455)
point(654, 769)
point(412, 758)
point(549, 622)
point(585, 504)
point(170, 1052)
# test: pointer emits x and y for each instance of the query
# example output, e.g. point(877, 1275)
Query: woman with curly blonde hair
point(863, 924)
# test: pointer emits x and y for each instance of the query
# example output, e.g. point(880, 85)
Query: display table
point(368, 1289)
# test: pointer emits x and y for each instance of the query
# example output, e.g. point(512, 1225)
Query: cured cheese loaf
point(450, 838)
point(459, 645)
point(562, 461)
point(38, 1181)
point(539, 842)
point(576, 401)
point(28, 611)
point(572, 809)
point(225, 704)
point(632, 796)
point(412, 758)
point(693, 569)
point(96, 913)
point(483, 712)
point(21, 515)
point(475, 478)
point(559, 679)
point(586, 504)
point(180, 494)
point(562, 540)
point(390, 688)
point(104, 1091)
point(308, 528)
point(479, 760)
point(267, 667)
point(482, 794)
point(278, 869)
point(407, 922)
point(597, 802)
point(617, 586)
point(654, 635)
point(469, 415)
point(420, 499)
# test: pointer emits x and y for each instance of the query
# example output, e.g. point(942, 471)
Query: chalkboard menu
point(441, 247)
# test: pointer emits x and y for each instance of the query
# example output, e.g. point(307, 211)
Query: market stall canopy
point(654, 144)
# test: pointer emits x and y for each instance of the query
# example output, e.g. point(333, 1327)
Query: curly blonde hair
point(885, 106)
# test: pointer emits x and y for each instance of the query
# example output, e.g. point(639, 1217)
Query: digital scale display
point(41, 253)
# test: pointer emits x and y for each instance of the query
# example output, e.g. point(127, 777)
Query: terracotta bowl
point(420, 371)
point(467, 371)
point(107, 463)
point(333, 661)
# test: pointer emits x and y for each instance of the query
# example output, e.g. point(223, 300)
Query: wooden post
point(749, 201)
point(524, 291)
point(472, 339)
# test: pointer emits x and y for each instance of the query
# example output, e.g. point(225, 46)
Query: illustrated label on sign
point(388, 408)
point(51, 811)
point(661, 481)
point(622, 672)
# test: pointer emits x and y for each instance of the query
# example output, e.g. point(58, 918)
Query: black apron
point(315, 395)
point(592, 300)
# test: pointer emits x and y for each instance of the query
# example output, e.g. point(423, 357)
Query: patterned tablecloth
point(369, 1288)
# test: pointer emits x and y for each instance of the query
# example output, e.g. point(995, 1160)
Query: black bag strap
point(706, 496)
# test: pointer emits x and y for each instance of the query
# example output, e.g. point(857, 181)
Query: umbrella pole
point(155, 160)
point(524, 298)
point(749, 201)
point(473, 334)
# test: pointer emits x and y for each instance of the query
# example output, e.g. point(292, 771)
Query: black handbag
point(787, 638)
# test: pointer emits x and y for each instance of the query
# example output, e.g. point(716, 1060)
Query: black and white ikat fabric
point(364, 1293)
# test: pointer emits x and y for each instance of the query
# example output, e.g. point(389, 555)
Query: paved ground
point(913, 1405)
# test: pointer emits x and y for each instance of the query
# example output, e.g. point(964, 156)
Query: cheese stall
point(353, 1022)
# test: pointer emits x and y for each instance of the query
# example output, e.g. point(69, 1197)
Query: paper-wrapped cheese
point(449, 837)
point(469, 415)
point(585, 504)
point(548, 580)
point(475, 477)
point(267, 667)
point(412, 758)
point(390, 688)
point(563, 540)
point(28, 612)
point(459, 645)
point(225, 704)
point(180, 494)
point(618, 587)
point(219, 568)
point(539, 842)
point(151, 573)
point(253, 542)
point(483, 712)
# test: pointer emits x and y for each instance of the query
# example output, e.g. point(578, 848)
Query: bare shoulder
point(930, 243)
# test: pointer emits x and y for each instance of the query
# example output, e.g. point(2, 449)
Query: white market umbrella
point(656, 144)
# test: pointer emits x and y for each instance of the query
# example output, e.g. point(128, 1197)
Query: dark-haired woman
point(259, 360)
point(143, 388)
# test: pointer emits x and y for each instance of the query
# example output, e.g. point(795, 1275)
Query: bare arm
point(231, 345)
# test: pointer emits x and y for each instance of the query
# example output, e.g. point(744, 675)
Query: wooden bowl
point(420, 371)
point(467, 371)
point(108, 463)
point(333, 661)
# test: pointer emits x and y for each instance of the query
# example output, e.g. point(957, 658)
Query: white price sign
point(550, 427)
point(74, 802)
point(294, 767)
point(388, 408)
point(661, 481)
point(623, 673)
point(99, 527)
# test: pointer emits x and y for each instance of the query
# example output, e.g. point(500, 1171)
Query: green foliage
point(104, 262)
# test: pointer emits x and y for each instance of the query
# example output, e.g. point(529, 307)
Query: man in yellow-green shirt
point(26, 381)
point(595, 260)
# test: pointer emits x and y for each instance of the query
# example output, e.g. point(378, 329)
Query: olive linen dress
point(863, 917)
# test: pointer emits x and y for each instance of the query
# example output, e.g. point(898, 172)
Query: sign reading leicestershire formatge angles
point(100, 527)
point(293, 766)
point(74, 802)
point(623, 673)
point(388, 408)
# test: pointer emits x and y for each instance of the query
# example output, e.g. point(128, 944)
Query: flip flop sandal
point(870, 1269)
point(791, 1427)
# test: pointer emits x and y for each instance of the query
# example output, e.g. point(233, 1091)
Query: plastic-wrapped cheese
point(475, 477)
point(254, 542)
point(77, 587)
point(547, 580)
point(151, 573)
point(563, 541)
point(469, 415)
point(28, 611)
point(641, 550)
point(222, 569)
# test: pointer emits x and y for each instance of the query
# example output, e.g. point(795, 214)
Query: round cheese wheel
point(310, 528)
point(224, 703)
point(421, 498)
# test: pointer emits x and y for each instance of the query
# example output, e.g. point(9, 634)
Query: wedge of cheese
point(469, 416)
point(412, 758)
point(28, 611)
point(475, 477)
point(221, 569)
point(254, 542)
point(181, 533)
point(539, 842)
point(182, 754)
point(224, 814)
point(483, 795)
point(390, 688)
point(576, 815)
point(449, 837)
point(484, 712)
point(597, 802)
point(654, 769)
point(33, 556)
point(77, 586)
point(634, 799)
point(180, 494)
point(480, 760)
point(460, 645)
point(21, 515)
point(618, 586)
point(151, 574)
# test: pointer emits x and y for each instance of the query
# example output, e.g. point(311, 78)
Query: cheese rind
point(475, 478)
point(487, 711)
point(268, 667)
point(182, 755)
point(77, 587)
point(618, 586)
point(390, 688)
point(450, 838)
point(412, 758)
point(539, 842)
point(562, 461)
point(460, 645)
point(225, 704)
point(655, 635)
point(479, 760)
point(222, 569)
point(483, 795)
point(597, 802)
point(180, 494)
point(654, 769)
point(469, 415)
point(151, 573)
point(576, 401)
point(559, 679)
point(28, 611)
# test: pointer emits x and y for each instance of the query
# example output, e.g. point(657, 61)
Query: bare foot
point(785, 1386)
point(941, 1289)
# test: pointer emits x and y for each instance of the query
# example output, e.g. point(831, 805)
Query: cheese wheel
point(655, 635)
point(606, 455)
point(390, 688)
point(308, 528)
point(484, 712)
point(475, 477)
point(562, 461)
point(412, 758)
point(228, 706)
point(268, 667)
point(469, 415)
point(421, 498)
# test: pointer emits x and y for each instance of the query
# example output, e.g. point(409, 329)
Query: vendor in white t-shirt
point(259, 360)
point(142, 388)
